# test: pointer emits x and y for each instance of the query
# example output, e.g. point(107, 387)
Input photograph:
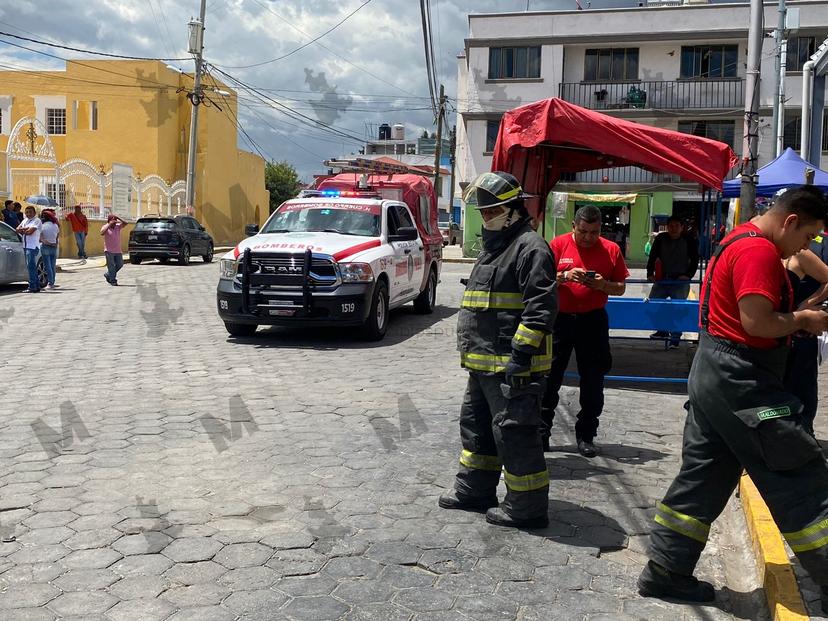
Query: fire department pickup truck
point(340, 255)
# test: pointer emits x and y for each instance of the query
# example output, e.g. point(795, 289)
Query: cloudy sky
point(368, 70)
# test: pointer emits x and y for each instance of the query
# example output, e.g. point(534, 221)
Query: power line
point(325, 47)
point(427, 52)
point(82, 51)
point(304, 45)
point(168, 45)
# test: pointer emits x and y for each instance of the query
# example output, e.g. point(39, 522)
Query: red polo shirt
point(751, 266)
point(604, 258)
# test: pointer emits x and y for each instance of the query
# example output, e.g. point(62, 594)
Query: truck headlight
point(356, 272)
point(228, 268)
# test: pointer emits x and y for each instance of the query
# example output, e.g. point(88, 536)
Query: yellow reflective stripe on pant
point(526, 482)
point(528, 336)
point(809, 538)
point(480, 462)
point(482, 300)
point(683, 524)
point(492, 363)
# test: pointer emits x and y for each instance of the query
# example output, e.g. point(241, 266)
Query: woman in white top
point(30, 230)
point(49, 244)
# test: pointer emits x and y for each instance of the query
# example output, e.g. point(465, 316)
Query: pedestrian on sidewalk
point(590, 268)
point(18, 212)
point(503, 334)
point(80, 228)
point(674, 257)
point(9, 217)
point(111, 232)
point(30, 228)
point(740, 416)
point(49, 234)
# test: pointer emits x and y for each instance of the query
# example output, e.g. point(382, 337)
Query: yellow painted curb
point(775, 571)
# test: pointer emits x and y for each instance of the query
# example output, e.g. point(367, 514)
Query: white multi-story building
point(676, 66)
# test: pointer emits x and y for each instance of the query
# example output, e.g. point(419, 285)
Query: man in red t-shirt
point(739, 413)
point(80, 228)
point(590, 268)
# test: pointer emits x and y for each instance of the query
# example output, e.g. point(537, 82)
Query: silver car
point(13, 261)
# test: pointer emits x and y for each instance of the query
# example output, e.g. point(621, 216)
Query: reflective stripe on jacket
point(510, 302)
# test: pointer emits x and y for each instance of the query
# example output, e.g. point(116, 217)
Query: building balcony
point(725, 94)
point(628, 175)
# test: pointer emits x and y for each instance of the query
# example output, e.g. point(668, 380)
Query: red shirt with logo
point(751, 266)
point(604, 257)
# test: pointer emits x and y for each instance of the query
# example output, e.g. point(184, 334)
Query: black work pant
point(801, 377)
point(499, 430)
point(588, 335)
point(740, 416)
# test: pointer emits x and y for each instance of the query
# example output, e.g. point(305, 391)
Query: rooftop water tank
point(385, 132)
point(399, 131)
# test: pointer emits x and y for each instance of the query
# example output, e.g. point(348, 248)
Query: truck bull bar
point(249, 308)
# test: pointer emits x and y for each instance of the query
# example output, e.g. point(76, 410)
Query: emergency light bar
point(337, 194)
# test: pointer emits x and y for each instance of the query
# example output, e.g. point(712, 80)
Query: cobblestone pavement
point(153, 468)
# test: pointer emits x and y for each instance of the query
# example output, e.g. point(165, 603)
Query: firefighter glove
point(517, 369)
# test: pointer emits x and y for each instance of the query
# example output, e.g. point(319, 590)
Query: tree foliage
point(282, 181)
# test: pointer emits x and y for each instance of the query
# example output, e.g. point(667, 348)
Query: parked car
point(165, 238)
point(451, 232)
point(13, 260)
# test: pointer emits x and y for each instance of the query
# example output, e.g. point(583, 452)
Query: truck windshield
point(346, 219)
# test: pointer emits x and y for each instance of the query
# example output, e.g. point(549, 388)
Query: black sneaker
point(450, 500)
point(498, 517)
point(587, 448)
point(658, 581)
point(659, 335)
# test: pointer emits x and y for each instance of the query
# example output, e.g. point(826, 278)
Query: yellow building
point(135, 113)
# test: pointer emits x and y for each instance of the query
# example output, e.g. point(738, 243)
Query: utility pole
point(438, 144)
point(453, 161)
point(750, 142)
point(196, 48)
point(779, 92)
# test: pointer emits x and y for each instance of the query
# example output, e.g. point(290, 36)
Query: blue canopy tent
point(785, 171)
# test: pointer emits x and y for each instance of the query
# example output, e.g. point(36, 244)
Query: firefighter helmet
point(492, 189)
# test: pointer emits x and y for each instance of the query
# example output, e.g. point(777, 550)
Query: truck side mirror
point(404, 233)
point(251, 229)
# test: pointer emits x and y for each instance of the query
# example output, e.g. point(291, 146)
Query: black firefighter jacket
point(510, 302)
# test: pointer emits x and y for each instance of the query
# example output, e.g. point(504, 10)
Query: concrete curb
point(775, 571)
point(464, 260)
point(98, 262)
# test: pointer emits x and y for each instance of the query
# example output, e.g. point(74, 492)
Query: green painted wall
point(662, 203)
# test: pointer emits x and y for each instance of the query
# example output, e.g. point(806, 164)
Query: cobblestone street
point(153, 468)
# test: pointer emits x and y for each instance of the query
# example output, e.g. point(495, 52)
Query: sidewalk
point(74, 265)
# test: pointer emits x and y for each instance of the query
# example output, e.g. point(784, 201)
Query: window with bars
point(56, 121)
point(57, 192)
point(799, 50)
point(723, 131)
point(508, 63)
point(792, 136)
point(709, 61)
point(611, 64)
point(492, 129)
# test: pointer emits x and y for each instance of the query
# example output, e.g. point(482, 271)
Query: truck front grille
point(285, 270)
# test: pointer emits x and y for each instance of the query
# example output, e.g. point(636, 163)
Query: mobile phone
point(590, 274)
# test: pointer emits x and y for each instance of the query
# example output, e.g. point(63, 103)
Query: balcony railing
point(627, 174)
point(665, 95)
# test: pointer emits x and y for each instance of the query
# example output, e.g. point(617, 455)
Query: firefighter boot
point(658, 581)
point(498, 517)
point(450, 500)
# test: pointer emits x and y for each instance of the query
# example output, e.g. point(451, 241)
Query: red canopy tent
point(540, 141)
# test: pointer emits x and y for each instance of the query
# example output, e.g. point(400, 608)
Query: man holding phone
point(590, 268)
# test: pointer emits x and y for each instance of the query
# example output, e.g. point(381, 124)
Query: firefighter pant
point(740, 416)
point(588, 334)
point(499, 430)
point(801, 377)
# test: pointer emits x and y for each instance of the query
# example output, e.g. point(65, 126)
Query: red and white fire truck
point(344, 254)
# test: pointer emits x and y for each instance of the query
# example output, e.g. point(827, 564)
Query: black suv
point(163, 238)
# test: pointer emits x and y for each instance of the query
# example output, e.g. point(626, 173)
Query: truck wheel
point(377, 322)
point(424, 303)
point(240, 329)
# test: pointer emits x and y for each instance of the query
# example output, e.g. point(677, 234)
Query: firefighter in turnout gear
point(739, 414)
point(504, 337)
